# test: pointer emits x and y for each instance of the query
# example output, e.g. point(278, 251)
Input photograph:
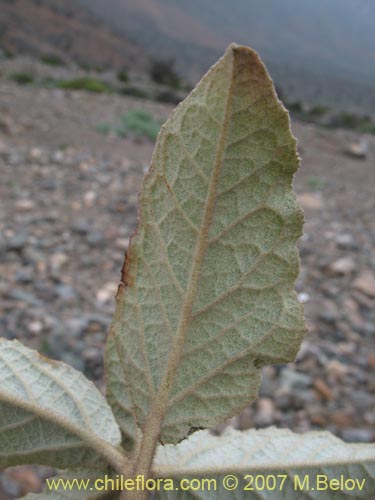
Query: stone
point(57, 260)
point(17, 242)
point(343, 266)
point(353, 435)
point(27, 479)
point(81, 226)
point(24, 205)
point(24, 275)
point(310, 201)
point(92, 355)
point(358, 149)
point(95, 238)
point(283, 399)
point(10, 486)
point(15, 158)
point(303, 297)
point(265, 412)
point(371, 360)
point(323, 390)
point(35, 153)
point(35, 327)
point(106, 293)
point(269, 384)
point(365, 283)
point(294, 380)
point(330, 313)
point(345, 241)
point(22, 296)
point(65, 292)
point(246, 420)
point(342, 418)
point(362, 400)
point(73, 360)
point(89, 198)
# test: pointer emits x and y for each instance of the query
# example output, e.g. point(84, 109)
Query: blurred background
point(84, 88)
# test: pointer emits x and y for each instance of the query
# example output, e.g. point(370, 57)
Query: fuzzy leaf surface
point(51, 414)
point(208, 296)
point(269, 452)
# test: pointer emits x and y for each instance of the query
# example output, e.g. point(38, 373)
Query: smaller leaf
point(51, 414)
point(77, 487)
point(269, 452)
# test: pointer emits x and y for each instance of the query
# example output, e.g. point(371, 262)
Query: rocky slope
point(61, 28)
point(68, 199)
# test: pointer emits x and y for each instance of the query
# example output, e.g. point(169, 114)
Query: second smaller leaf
point(51, 414)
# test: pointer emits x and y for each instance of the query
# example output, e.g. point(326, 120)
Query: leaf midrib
point(153, 424)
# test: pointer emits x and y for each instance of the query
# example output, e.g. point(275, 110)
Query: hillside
point(322, 35)
point(67, 31)
point(318, 51)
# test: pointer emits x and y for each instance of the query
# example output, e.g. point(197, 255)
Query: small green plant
point(163, 72)
point(138, 122)
point(8, 53)
point(205, 301)
point(22, 78)
point(52, 60)
point(366, 127)
point(318, 110)
point(134, 91)
point(123, 76)
point(315, 182)
point(87, 83)
point(295, 107)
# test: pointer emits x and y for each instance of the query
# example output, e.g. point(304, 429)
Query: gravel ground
point(68, 203)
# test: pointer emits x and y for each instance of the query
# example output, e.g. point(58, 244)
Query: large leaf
point(75, 485)
point(209, 273)
point(277, 456)
point(51, 414)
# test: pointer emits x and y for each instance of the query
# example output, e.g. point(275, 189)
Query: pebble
point(359, 149)
point(17, 242)
point(294, 380)
point(365, 283)
point(322, 388)
point(24, 205)
point(57, 260)
point(345, 265)
point(265, 414)
point(106, 293)
point(303, 297)
point(310, 201)
point(73, 360)
point(65, 292)
point(89, 198)
point(24, 275)
point(96, 239)
point(15, 158)
point(346, 241)
point(353, 435)
point(330, 313)
point(81, 226)
point(23, 296)
point(35, 327)
point(26, 478)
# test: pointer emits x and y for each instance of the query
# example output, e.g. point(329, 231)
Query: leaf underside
point(268, 452)
point(50, 413)
point(208, 297)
